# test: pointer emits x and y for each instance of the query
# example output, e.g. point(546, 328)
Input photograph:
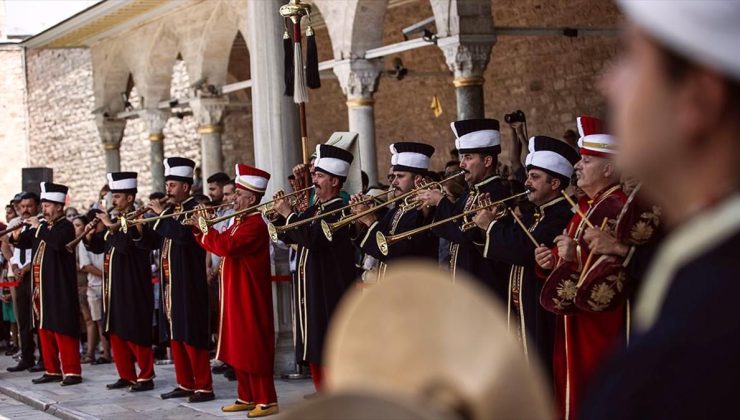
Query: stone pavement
point(90, 399)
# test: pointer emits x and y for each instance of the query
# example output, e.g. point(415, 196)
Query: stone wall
point(13, 136)
point(64, 135)
point(552, 79)
point(62, 131)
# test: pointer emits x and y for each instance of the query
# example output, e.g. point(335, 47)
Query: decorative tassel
point(300, 95)
point(313, 81)
point(288, 60)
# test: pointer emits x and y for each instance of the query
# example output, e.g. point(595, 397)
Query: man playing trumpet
point(410, 165)
point(128, 299)
point(479, 144)
point(549, 167)
point(245, 315)
point(185, 297)
point(326, 267)
point(55, 299)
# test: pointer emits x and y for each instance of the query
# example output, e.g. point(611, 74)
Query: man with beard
point(245, 314)
point(28, 206)
point(479, 144)
point(128, 298)
point(410, 165)
point(326, 268)
point(583, 338)
point(549, 166)
point(185, 297)
point(215, 184)
point(55, 300)
point(675, 98)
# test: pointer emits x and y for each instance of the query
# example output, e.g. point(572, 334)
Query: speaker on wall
point(32, 177)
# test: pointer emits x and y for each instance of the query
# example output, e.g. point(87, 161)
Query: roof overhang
point(101, 20)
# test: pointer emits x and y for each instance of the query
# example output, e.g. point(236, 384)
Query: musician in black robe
point(55, 298)
point(128, 298)
point(325, 268)
point(549, 168)
point(185, 288)
point(478, 143)
point(410, 166)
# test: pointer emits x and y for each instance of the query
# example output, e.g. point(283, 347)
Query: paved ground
point(91, 399)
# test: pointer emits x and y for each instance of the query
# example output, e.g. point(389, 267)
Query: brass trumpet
point(274, 231)
point(125, 223)
point(409, 201)
point(264, 208)
point(384, 242)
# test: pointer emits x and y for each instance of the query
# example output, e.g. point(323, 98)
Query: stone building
point(126, 82)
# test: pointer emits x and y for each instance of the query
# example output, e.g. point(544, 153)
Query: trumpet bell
point(326, 228)
point(203, 224)
point(382, 242)
point(124, 224)
point(273, 232)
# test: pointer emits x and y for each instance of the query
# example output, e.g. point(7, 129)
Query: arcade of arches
point(162, 56)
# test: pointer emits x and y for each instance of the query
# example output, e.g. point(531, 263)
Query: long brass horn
point(330, 228)
point(384, 242)
point(125, 223)
point(274, 231)
point(265, 208)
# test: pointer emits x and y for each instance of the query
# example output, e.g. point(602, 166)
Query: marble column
point(277, 140)
point(155, 121)
point(359, 80)
point(467, 57)
point(209, 112)
point(111, 134)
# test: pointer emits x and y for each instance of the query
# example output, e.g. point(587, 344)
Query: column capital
point(359, 80)
point(155, 120)
point(467, 56)
point(111, 131)
point(209, 112)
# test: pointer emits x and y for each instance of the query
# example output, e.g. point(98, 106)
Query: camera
point(514, 117)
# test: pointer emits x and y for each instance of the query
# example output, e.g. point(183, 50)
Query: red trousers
point(256, 388)
point(192, 367)
point(126, 353)
point(55, 346)
point(317, 375)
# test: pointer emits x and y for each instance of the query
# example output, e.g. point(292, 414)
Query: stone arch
point(158, 49)
point(212, 55)
point(110, 78)
point(354, 26)
point(238, 136)
point(452, 15)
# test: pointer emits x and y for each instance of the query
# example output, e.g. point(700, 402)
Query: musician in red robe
point(583, 337)
point(246, 341)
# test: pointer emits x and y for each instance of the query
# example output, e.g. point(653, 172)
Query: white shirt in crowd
point(88, 258)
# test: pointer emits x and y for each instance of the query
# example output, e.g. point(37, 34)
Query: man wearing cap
point(185, 294)
point(410, 166)
point(326, 268)
point(675, 98)
point(246, 341)
point(27, 204)
point(583, 337)
point(478, 144)
point(128, 299)
point(55, 298)
point(549, 167)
